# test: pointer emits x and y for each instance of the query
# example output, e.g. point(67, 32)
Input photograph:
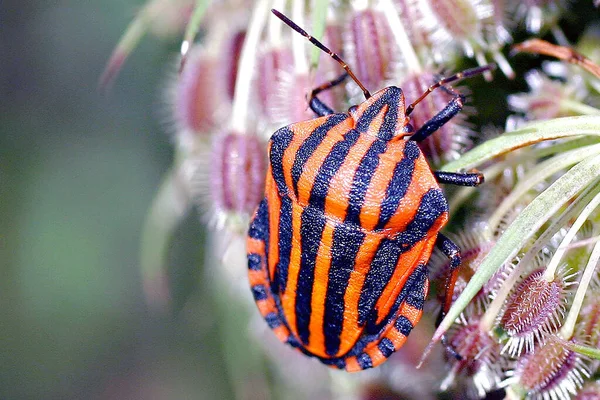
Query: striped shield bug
point(339, 245)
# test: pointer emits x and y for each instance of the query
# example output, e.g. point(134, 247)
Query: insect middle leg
point(459, 178)
point(318, 107)
point(440, 119)
point(451, 109)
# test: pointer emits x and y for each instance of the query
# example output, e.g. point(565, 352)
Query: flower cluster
point(530, 295)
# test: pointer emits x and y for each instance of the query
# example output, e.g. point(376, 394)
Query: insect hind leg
point(258, 275)
point(452, 251)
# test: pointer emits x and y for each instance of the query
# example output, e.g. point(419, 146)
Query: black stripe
point(399, 184)
point(311, 230)
point(433, 204)
point(416, 295)
point(330, 166)
point(336, 362)
point(310, 144)
point(259, 292)
point(254, 262)
point(280, 141)
point(364, 360)
point(347, 240)
point(273, 320)
point(412, 293)
point(390, 97)
point(386, 347)
point(403, 325)
point(285, 246)
point(362, 179)
point(259, 227)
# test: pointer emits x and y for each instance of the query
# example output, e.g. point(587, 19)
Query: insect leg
point(452, 251)
point(438, 120)
point(318, 107)
point(460, 179)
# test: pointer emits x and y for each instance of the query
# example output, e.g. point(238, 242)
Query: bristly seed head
point(590, 391)
point(533, 310)
point(230, 187)
point(197, 94)
point(230, 61)
point(480, 354)
point(551, 371)
point(270, 67)
point(545, 97)
point(370, 48)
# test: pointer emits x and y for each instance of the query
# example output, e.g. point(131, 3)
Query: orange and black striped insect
point(338, 248)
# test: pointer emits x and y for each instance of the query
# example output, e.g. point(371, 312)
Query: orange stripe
point(282, 333)
point(340, 185)
point(256, 246)
point(274, 210)
point(375, 124)
point(411, 313)
point(407, 262)
point(352, 364)
point(376, 355)
point(422, 181)
point(323, 263)
point(314, 163)
point(396, 337)
point(369, 214)
point(256, 277)
point(351, 330)
point(288, 299)
point(301, 131)
point(266, 306)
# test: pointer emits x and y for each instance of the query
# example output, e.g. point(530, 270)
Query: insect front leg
point(438, 120)
point(318, 107)
point(459, 178)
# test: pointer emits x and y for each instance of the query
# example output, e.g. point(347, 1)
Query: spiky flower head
point(551, 371)
point(370, 48)
point(229, 181)
point(198, 95)
point(547, 98)
point(480, 367)
point(533, 310)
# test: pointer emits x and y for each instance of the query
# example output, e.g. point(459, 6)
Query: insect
point(338, 247)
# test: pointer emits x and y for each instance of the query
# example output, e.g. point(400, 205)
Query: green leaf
point(528, 135)
point(590, 352)
point(169, 207)
point(319, 15)
point(524, 227)
point(193, 26)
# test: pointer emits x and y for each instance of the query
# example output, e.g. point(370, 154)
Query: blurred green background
point(78, 171)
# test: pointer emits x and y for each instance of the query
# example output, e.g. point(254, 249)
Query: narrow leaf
point(522, 228)
point(319, 18)
point(528, 135)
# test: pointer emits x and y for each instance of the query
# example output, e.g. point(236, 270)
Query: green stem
point(569, 326)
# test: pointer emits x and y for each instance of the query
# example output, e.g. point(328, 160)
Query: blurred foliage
point(79, 170)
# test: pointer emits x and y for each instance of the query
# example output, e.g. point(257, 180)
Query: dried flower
point(533, 310)
point(551, 371)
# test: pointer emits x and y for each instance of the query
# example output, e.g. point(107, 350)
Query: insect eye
point(352, 109)
point(408, 128)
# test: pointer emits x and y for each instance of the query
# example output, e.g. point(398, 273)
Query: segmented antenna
point(321, 46)
point(459, 75)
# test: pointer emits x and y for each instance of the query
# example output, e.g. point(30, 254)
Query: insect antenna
point(321, 46)
point(459, 75)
